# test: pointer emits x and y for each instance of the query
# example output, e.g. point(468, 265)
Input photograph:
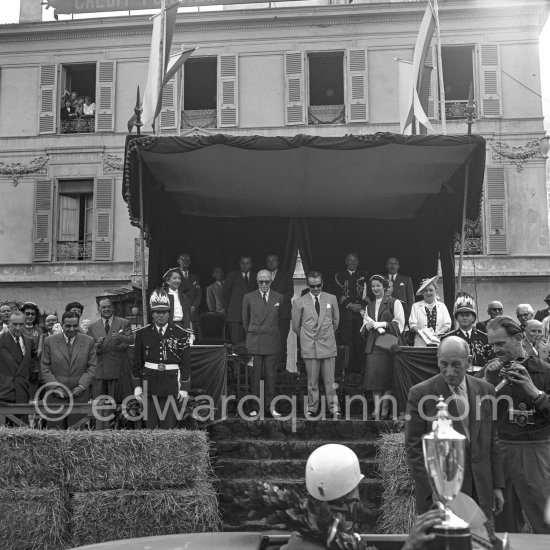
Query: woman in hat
point(384, 315)
point(180, 312)
point(429, 316)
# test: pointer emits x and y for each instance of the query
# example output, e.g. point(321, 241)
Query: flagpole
point(162, 61)
point(142, 242)
point(440, 69)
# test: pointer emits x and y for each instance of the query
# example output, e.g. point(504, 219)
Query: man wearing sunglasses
point(315, 318)
point(261, 313)
point(494, 309)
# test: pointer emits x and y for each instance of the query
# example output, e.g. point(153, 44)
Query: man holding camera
point(522, 384)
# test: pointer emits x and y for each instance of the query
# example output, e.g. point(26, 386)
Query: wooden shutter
point(105, 97)
point(496, 211)
point(491, 103)
point(103, 219)
point(357, 94)
point(168, 111)
point(48, 99)
point(433, 96)
point(43, 217)
point(228, 94)
point(295, 108)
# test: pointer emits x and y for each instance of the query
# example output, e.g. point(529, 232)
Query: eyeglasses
point(316, 286)
point(264, 282)
point(496, 309)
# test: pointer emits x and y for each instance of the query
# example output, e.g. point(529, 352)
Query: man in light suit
point(261, 310)
point(402, 286)
point(483, 469)
point(17, 365)
point(237, 284)
point(190, 286)
point(69, 363)
point(112, 336)
point(315, 318)
point(214, 292)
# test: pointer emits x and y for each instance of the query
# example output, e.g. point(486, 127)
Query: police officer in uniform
point(350, 285)
point(162, 365)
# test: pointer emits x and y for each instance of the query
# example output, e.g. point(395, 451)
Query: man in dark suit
point(471, 410)
point(402, 286)
point(17, 365)
point(68, 362)
point(237, 284)
point(494, 309)
point(5, 312)
point(261, 311)
point(190, 285)
point(352, 299)
point(282, 282)
point(541, 314)
point(112, 336)
point(180, 310)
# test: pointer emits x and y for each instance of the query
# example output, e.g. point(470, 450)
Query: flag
point(419, 75)
point(161, 43)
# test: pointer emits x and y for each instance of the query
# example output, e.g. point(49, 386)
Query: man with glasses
point(261, 311)
point(315, 318)
point(494, 309)
point(524, 313)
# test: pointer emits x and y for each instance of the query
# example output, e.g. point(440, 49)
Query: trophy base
point(450, 538)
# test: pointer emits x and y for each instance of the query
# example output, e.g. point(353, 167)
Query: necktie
point(161, 332)
point(265, 297)
point(70, 348)
point(107, 326)
point(317, 306)
point(468, 339)
point(18, 340)
point(461, 400)
point(392, 278)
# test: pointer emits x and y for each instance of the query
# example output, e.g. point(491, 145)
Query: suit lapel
point(322, 309)
point(63, 346)
point(77, 346)
point(12, 347)
point(473, 425)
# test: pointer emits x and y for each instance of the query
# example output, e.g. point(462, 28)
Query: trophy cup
point(444, 460)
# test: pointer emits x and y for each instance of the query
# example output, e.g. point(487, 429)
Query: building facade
point(280, 69)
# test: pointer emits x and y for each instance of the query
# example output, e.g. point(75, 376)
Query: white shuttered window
point(496, 208)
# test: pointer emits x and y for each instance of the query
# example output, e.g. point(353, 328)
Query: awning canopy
point(376, 182)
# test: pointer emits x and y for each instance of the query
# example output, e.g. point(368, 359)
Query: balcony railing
point(81, 125)
point(473, 240)
point(68, 251)
point(456, 109)
point(203, 118)
point(326, 114)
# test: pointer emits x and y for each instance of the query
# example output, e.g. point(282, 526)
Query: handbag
point(386, 341)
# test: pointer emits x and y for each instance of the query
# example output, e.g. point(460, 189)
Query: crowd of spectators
point(77, 112)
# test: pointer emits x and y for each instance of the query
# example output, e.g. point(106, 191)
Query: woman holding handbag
point(383, 316)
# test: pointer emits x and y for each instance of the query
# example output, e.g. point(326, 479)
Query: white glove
point(138, 393)
point(191, 339)
point(380, 324)
point(182, 395)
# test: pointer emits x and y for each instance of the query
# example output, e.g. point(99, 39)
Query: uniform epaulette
point(188, 330)
point(141, 328)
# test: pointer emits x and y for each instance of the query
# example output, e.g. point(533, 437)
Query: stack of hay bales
point(398, 504)
point(62, 489)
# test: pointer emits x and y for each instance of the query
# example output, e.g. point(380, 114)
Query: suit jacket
point(482, 325)
point(110, 355)
point(483, 461)
point(283, 284)
point(480, 349)
point(261, 323)
point(214, 298)
point(191, 287)
point(15, 370)
point(316, 333)
point(234, 289)
point(58, 367)
point(541, 314)
point(403, 290)
point(186, 319)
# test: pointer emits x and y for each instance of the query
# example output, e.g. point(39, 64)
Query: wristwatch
point(539, 395)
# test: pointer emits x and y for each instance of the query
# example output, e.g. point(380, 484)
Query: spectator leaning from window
point(88, 109)
point(79, 107)
point(68, 112)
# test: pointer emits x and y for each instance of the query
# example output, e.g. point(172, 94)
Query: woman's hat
point(170, 271)
point(426, 282)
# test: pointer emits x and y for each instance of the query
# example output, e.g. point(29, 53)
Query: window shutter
point(294, 88)
point(490, 80)
point(357, 107)
point(496, 211)
point(103, 219)
point(105, 97)
point(228, 94)
point(48, 99)
point(433, 96)
point(43, 215)
point(168, 119)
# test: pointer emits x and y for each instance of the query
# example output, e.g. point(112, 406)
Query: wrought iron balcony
point(81, 125)
point(203, 118)
point(326, 114)
point(456, 109)
point(68, 251)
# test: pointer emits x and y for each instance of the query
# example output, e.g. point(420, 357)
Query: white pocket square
point(401, 284)
point(328, 306)
point(276, 305)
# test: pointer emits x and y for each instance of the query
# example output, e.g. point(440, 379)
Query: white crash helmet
point(332, 471)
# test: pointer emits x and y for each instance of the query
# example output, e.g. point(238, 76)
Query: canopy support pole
point(142, 245)
point(463, 227)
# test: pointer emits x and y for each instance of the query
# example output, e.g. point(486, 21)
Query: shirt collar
point(313, 297)
point(467, 332)
point(351, 272)
point(462, 386)
point(67, 339)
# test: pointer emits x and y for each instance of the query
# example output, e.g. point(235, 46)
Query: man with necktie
point(17, 364)
point(315, 318)
point(261, 312)
point(402, 286)
point(68, 363)
point(190, 286)
point(237, 284)
point(471, 410)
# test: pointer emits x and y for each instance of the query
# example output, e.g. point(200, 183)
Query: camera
point(521, 416)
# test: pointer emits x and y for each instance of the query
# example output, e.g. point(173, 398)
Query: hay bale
point(397, 510)
point(33, 518)
point(101, 516)
point(102, 460)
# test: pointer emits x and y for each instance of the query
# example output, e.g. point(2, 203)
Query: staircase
point(276, 452)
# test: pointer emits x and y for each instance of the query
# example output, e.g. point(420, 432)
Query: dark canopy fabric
point(221, 196)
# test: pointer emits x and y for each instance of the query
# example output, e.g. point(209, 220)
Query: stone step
point(299, 429)
point(229, 468)
point(266, 449)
